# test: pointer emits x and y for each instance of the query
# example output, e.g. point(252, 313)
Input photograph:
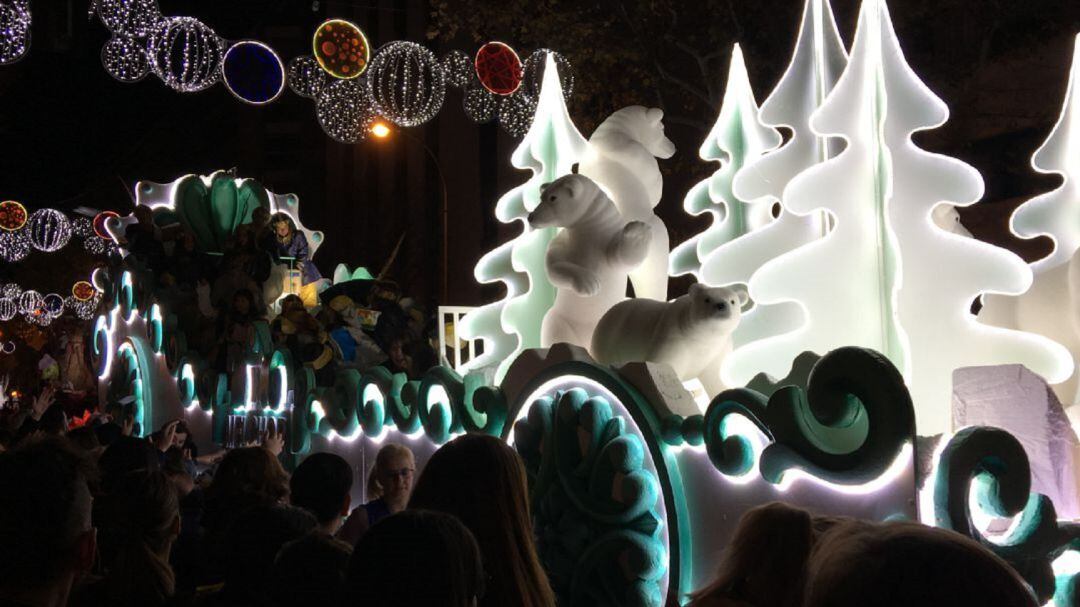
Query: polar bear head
point(721, 307)
point(640, 124)
point(568, 200)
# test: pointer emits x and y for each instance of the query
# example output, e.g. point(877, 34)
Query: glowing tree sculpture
point(816, 64)
point(735, 139)
point(550, 149)
point(1054, 214)
point(885, 276)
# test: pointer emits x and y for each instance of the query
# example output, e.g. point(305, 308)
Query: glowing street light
point(380, 130)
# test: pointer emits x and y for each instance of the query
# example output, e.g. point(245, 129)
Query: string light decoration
point(341, 49)
point(516, 114)
point(498, 68)
point(83, 227)
point(8, 309)
point(12, 215)
point(533, 73)
point(83, 290)
point(345, 111)
point(49, 230)
point(85, 310)
point(14, 246)
point(53, 304)
point(11, 291)
point(29, 301)
point(14, 30)
point(406, 83)
point(253, 72)
point(124, 59)
point(480, 105)
point(305, 77)
point(128, 17)
point(99, 223)
point(185, 53)
point(459, 70)
point(9, 347)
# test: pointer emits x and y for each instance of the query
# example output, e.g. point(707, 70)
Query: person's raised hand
point(168, 433)
point(42, 402)
point(274, 441)
point(128, 426)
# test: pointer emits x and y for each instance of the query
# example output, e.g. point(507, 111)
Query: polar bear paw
point(586, 284)
point(633, 243)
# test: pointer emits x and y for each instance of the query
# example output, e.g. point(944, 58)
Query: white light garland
point(458, 67)
point(480, 104)
point(129, 17)
point(53, 304)
point(28, 301)
point(83, 227)
point(49, 230)
point(14, 30)
point(125, 59)
point(14, 246)
point(185, 53)
point(345, 111)
point(516, 113)
point(8, 309)
point(406, 82)
point(533, 73)
point(305, 77)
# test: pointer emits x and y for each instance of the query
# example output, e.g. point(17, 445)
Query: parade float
point(847, 372)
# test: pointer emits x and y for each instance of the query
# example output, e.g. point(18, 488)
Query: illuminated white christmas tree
point(736, 138)
point(816, 64)
point(550, 149)
point(1057, 213)
point(885, 276)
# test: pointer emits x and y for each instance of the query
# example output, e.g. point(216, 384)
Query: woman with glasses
point(389, 487)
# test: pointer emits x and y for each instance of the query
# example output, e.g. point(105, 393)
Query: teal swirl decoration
point(995, 462)
point(377, 386)
point(848, 426)
point(452, 404)
point(129, 376)
point(594, 503)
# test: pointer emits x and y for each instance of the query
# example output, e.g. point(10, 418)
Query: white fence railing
point(455, 351)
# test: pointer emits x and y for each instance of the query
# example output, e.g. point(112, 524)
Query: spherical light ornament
point(12, 215)
point(459, 69)
point(95, 245)
point(253, 72)
point(341, 49)
point(39, 317)
point(406, 83)
point(14, 31)
point(345, 111)
point(14, 246)
point(99, 223)
point(83, 291)
point(53, 304)
point(499, 68)
point(11, 291)
point(49, 230)
point(480, 104)
point(129, 17)
point(516, 114)
point(82, 227)
point(125, 59)
point(9, 347)
point(534, 73)
point(8, 309)
point(185, 54)
point(306, 78)
point(29, 301)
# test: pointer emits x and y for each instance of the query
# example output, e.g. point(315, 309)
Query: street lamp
point(381, 130)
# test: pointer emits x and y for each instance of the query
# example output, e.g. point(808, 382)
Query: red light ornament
point(12, 215)
point(99, 223)
point(499, 68)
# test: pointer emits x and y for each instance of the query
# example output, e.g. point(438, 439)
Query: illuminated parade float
point(827, 356)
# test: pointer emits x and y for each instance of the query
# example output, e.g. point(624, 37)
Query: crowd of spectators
point(264, 277)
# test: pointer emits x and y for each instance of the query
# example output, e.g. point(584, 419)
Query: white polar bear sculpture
point(588, 259)
point(692, 333)
point(622, 159)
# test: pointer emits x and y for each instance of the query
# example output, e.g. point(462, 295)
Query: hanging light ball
point(125, 59)
point(14, 246)
point(53, 304)
point(306, 78)
point(129, 17)
point(82, 227)
point(95, 245)
point(341, 49)
point(11, 291)
point(534, 73)
point(99, 223)
point(516, 114)
point(480, 104)
point(39, 317)
point(345, 111)
point(83, 290)
point(29, 301)
point(14, 30)
point(49, 230)
point(185, 53)
point(406, 83)
point(12, 215)
point(253, 72)
point(498, 68)
point(459, 70)
point(9, 347)
point(8, 309)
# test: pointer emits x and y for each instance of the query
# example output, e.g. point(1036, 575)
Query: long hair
point(481, 480)
point(139, 525)
point(246, 477)
point(387, 454)
point(765, 562)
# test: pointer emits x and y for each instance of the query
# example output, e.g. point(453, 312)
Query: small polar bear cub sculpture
point(691, 334)
point(588, 260)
